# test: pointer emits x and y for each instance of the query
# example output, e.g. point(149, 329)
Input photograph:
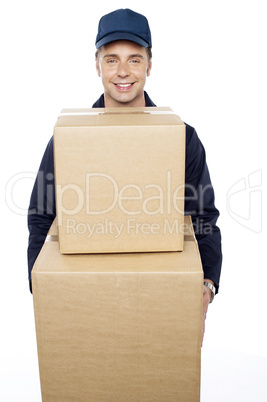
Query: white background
point(209, 66)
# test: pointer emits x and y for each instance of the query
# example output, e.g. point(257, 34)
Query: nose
point(123, 70)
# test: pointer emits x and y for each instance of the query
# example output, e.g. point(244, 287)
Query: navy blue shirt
point(199, 203)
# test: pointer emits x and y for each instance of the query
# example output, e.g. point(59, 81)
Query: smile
point(124, 87)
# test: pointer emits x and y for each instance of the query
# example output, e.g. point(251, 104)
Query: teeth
point(124, 85)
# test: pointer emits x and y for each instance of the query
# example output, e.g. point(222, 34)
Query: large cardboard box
point(119, 327)
point(119, 180)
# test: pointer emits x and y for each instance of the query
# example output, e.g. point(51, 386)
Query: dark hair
point(149, 53)
point(148, 49)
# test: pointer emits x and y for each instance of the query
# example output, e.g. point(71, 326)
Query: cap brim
point(121, 36)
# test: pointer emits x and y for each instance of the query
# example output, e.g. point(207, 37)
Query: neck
point(137, 102)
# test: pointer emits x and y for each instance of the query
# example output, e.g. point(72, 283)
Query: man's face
point(123, 66)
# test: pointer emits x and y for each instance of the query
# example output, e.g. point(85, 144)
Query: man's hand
point(206, 301)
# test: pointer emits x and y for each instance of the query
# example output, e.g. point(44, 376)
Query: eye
point(135, 61)
point(111, 61)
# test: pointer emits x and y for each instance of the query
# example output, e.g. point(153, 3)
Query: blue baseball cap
point(123, 24)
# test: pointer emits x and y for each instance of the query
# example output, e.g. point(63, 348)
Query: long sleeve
point(42, 210)
point(200, 204)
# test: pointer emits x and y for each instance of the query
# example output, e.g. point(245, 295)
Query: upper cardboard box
point(119, 180)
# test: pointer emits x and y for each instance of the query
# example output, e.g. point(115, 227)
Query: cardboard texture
point(119, 327)
point(119, 180)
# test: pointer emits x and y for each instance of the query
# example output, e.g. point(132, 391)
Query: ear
point(149, 69)
point(97, 68)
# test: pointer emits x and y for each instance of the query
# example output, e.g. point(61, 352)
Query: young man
point(123, 61)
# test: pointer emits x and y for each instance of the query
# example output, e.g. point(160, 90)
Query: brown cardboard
point(52, 234)
point(119, 180)
point(119, 327)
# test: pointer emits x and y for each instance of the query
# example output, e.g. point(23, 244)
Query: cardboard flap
point(117, 110)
